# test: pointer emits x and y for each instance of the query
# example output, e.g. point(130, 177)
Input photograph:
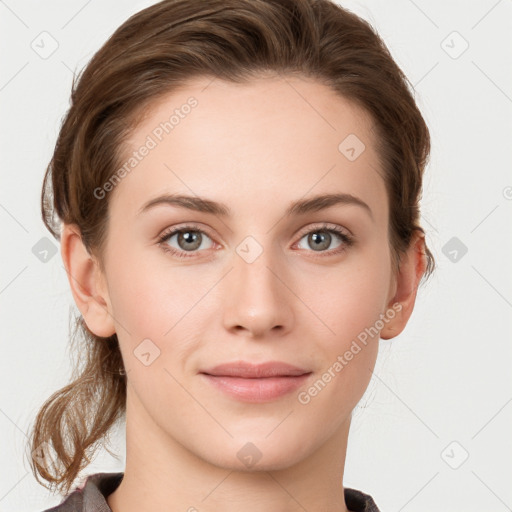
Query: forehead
point(269, 138)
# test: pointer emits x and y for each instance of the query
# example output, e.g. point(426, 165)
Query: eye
point(321, 238)
point(188, 239)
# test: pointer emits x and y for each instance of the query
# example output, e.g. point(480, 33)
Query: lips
point(247, 370)
point(256, 383)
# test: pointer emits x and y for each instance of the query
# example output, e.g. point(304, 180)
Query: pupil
point(320, 239)
point(190, 237)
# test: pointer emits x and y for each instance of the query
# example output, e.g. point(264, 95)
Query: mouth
point(256, 383)
point(248, 370)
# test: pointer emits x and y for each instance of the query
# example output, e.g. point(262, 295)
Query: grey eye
point(320, 239)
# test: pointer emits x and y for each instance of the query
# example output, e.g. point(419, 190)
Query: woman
point(238, 184)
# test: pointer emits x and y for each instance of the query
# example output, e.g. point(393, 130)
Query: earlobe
point(87, 283)
point(412, 267)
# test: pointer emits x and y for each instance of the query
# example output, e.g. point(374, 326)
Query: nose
point(257, 300)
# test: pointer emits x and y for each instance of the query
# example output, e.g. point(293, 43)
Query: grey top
point(92, 496)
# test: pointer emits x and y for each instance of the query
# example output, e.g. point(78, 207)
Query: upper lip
point(254, 371)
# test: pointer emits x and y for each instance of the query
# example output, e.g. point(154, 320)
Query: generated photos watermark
point(151, 142)
point(304, 397)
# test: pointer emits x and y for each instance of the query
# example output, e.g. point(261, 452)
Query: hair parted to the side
point(154, 52)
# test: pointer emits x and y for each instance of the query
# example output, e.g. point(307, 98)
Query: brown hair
point(154, 52)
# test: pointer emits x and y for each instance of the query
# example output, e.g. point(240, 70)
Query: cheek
point(152, 295)
point(350, 306)
point(357, 306)
point(172, 308)
point(349, 298)
point(157, 312)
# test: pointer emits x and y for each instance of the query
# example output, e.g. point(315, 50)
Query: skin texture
point(256, 148)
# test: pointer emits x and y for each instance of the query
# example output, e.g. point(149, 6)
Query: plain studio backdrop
point(432, 432)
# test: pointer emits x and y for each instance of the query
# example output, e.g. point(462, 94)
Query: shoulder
point(91, 495)
point(358, 501)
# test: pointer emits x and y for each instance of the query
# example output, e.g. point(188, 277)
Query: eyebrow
point(300, 207)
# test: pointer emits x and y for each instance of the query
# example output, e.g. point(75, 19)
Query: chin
point(259, 452)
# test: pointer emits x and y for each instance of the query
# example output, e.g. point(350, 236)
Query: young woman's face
point(247, 280)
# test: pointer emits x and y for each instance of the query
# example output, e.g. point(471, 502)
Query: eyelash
point(347, 240)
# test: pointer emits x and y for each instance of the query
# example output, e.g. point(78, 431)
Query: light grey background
point(441, 390)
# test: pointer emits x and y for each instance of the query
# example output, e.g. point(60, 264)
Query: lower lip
point(256, 390)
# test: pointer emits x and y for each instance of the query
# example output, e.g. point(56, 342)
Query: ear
point(412, 267)
point(87, 283)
